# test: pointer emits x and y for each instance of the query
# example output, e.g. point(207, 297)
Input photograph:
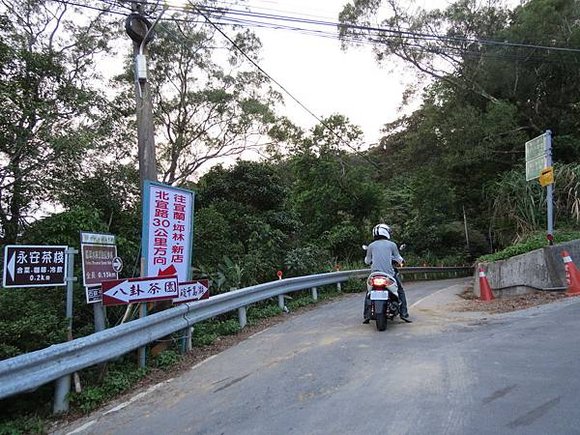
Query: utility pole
point(140, 31)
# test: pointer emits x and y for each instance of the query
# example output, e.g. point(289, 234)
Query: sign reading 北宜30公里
point(167, 230)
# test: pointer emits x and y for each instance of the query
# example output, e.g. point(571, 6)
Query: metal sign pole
point(549, 189)
point(99, 316)
point(62, 387)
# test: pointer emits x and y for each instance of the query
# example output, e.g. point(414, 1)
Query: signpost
point(131, 290)
point(535, 157)
point(192, 291)
point(167, 239)
point(45, 266)
point(539, 165)
point(35, 266)
point(98, 254)
point(167, 236)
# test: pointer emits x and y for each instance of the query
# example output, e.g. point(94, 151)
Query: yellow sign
point(547, 176)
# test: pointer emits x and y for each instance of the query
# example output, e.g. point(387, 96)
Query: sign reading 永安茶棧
point(34, 266)
point(167, 238)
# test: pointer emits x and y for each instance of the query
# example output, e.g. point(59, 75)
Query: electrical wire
point(447, 45)
point(259, 68)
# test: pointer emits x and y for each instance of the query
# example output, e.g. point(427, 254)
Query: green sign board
point(535, 157)
point(535, 167)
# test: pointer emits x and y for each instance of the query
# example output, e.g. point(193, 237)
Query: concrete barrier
point(542, 269)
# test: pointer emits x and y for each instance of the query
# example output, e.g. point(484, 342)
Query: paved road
point(324, 372)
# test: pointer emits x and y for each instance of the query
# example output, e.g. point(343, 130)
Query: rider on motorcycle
point(380, 255)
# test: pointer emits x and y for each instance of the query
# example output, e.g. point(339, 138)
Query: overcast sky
point(325, 78)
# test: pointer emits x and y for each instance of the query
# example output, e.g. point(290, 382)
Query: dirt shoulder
point(467, 301)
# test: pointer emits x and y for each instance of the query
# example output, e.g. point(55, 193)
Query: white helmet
point(382, 230)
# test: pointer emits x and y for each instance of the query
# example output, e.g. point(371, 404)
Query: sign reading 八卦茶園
point(167, 239)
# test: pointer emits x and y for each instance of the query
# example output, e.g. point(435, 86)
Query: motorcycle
point(382, 300)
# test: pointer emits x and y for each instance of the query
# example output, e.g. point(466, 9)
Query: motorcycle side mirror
point(403, 247)
point(364, 247)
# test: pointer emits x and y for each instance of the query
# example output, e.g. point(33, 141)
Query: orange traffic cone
point(485, 293)
point(572, 275)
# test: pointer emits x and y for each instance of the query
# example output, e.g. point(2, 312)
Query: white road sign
point(167, 239)
point(192, 291)
point(127, 291)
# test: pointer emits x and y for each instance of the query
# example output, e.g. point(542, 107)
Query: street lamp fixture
point(140, 59)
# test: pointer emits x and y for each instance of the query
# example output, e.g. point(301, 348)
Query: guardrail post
point(314, 293)
point(339, 287)
point(281, 301)
point(242, 317)
point(189, 339)
point(61, 392)
point(62, 385)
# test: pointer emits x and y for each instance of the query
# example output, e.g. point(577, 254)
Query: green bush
point(306, 260)
point(205, 333)
point(262, 311)
point(532, 242)
point(118, 379)
point(32, 319)
point(167, 359)
point(228, 327)
point(353, 285)
point(23, 425)
point(299, 300)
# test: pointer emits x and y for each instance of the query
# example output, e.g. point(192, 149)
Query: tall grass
point(519, 207)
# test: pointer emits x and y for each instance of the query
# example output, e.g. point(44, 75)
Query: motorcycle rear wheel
point(381, 320)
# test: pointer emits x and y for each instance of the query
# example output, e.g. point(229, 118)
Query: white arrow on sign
point(139, 290)
point(192, 291)
point(11, 266)
point(117, 264)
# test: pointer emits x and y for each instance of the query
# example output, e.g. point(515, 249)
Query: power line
point(376, 35)
point(237, 47)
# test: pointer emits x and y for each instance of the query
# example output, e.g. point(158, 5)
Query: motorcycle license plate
point(379, 295)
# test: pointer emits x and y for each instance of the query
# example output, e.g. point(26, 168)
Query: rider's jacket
point(381, 254)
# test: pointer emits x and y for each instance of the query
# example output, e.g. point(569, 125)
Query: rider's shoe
point(406, 318)
point(366, 321)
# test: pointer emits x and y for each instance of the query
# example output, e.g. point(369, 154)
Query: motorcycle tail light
point(380, 282)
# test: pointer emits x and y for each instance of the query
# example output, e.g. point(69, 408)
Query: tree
point(496, 84)
point(50, 111)
point(333, 192)
point(243, 215)
point(438, 43)
point(207, 107)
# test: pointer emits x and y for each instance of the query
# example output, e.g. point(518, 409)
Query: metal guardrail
point(31, 370)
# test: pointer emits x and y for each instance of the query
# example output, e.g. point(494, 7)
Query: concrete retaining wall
point(542, 269)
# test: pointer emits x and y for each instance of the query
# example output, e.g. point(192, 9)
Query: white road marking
point(428, 296)
point(83, 427)
point(204, 361)
point(137, 397)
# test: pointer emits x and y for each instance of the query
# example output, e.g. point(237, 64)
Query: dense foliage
point(448, 176)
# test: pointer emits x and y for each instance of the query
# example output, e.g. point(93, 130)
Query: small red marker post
point(281, 297)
